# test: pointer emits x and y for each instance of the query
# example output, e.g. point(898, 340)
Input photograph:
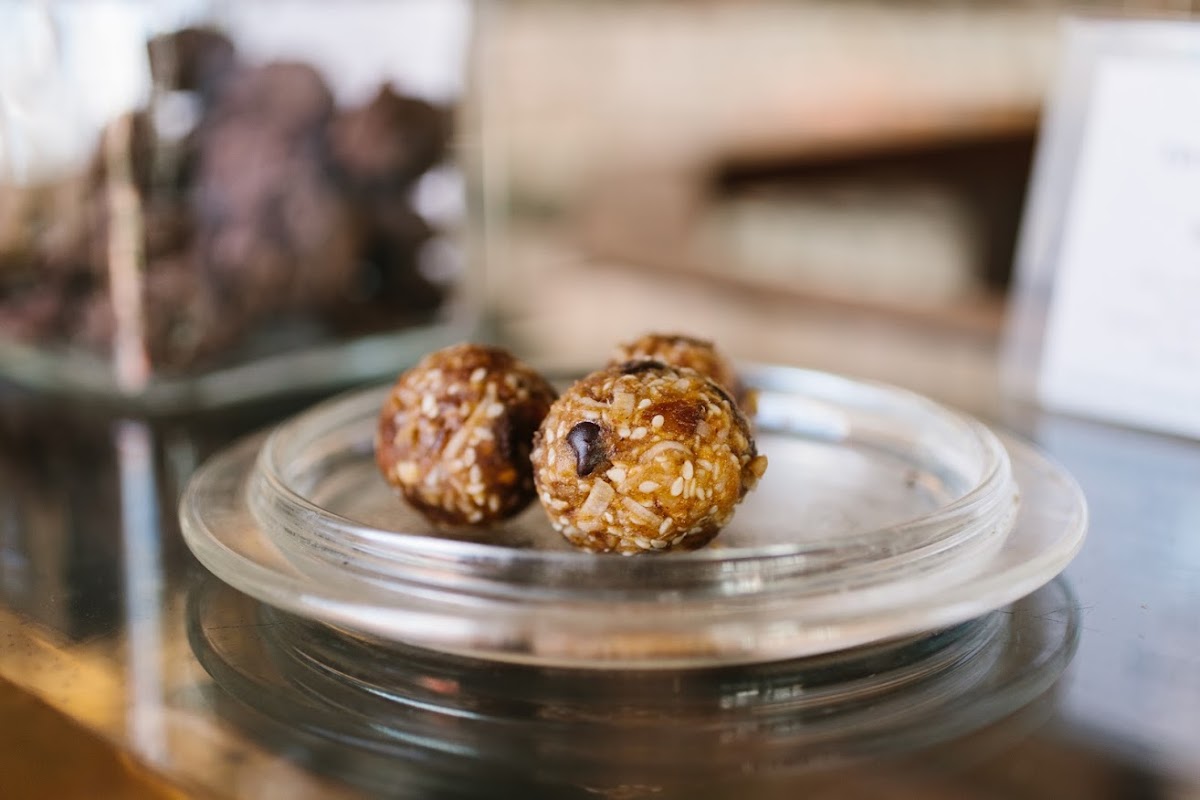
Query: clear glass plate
point(882, 514)
point(399, 720)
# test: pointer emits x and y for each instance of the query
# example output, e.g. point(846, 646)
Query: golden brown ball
point(644, 457)
point(677, 350)
point(455, 434)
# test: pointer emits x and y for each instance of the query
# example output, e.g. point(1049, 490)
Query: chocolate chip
point(641, 365)
point(584, 439)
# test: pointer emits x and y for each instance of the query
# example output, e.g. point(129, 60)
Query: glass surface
point(97, 590)
point(522, 728)
point(256, 197)
point(797, 573)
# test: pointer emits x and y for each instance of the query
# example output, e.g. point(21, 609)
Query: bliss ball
point(455, 434)
point(676, 350)
point(644, 457)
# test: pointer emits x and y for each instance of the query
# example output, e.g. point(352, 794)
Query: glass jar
point(202, 203)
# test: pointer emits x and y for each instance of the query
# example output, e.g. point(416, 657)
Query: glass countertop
point(1090, 688)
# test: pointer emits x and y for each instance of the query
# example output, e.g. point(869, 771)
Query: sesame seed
point(478, 375)
point(645, 403)
point(623, 433)
point(677, 487)
point(495, 410)
point(688, 471)
point(647, 486)
point(666, 526)
point(616, 474)
point(589, 414)
point(657, 422)
point(638, 433)
point(475, 473)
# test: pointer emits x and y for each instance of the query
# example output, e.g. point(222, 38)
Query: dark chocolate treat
point(455, 433)
point(93, 325)
point(72, 232)
point(384, 146)
point(388, 287)
point(183, 321)
point(31, 314)
point(191, 59)
point(249, 213)
point(288, 97)
point(272, 229)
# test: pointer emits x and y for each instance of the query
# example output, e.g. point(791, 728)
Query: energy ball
point(644, 457)
point(455, 434)
point(676, 350)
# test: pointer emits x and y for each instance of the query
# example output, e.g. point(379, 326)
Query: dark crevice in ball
point(641, 365)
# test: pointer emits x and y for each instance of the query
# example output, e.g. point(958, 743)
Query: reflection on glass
point(385, 716)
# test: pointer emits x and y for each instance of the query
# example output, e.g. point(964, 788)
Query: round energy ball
point(455, 434)
point(676, 350)
point(644, 457)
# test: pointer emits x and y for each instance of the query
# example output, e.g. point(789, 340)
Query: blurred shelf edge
point(876, 132)
point(920, 230)
point(978, 315)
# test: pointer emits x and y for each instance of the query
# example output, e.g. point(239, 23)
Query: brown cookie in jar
point(644, 457)
point(382, 147)
point(455, 434)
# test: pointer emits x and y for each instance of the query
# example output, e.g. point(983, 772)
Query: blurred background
point(838, 184)
point(778, 175)
point(208, 202)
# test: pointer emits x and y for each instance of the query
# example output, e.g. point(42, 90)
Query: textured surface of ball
point(455, 434)
point(676, 350)
point(644, 457)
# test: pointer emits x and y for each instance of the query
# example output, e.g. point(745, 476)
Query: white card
point(1122, 335)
